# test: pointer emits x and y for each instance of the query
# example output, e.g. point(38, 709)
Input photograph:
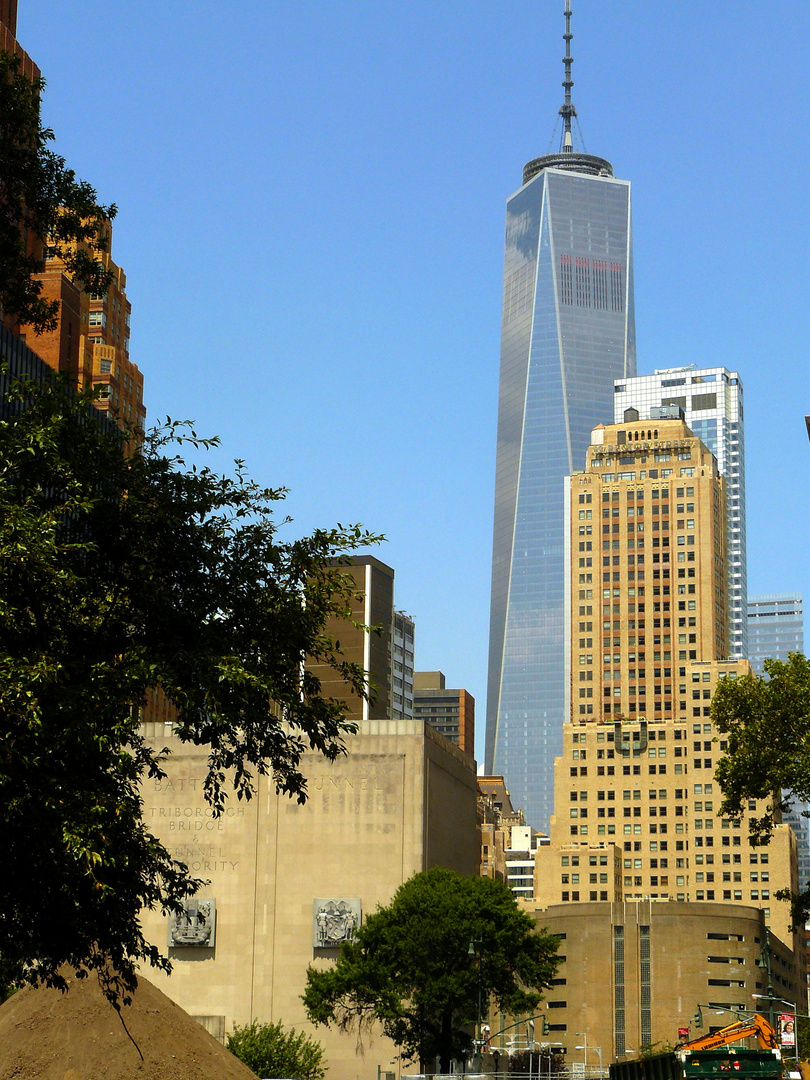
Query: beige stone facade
point(661, 903)
point(402, 800)
point(647, 790)
point(648, 568)
point(495, 817)
point(635, 972)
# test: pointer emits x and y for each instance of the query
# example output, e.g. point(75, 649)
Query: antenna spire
point(567, 109)
point(567, 157)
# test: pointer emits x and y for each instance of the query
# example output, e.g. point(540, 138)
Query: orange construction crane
point(755, 1025)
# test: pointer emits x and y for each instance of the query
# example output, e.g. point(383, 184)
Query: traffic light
point(544, 1028)
point(697, 1019)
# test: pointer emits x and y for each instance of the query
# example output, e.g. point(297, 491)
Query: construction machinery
point(710, 1057)
point(751, 1027)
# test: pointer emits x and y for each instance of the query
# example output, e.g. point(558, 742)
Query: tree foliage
point(271, 1052)
point(803, 1036)
point(41, 203)
point(119, 574)
point(409, 966)
point(767, 724)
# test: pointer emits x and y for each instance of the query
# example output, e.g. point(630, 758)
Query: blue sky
point(311, 210)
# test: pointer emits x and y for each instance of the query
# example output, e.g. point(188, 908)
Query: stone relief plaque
point(196, 927)
point(334, 921)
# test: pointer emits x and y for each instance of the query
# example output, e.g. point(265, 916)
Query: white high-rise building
point(775, 627)
point(712, 403)
point(775, 630)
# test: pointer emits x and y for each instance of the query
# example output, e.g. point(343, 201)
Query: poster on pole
point(787, 1031)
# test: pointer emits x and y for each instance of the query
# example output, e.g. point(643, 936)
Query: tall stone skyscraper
point(711, 399)
point(568, 332)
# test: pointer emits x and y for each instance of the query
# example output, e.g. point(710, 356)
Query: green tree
point(410, 968)
point(803, 1036)
point(270, 1051)
point(119, 574)
point(767, 724)
point(41, 202)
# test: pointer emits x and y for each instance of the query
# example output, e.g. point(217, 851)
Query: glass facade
point(712, 403)
point(568, 332)
point(775, 628)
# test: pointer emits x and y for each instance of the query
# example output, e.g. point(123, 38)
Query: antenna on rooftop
point(567, 109)
point(567, 157)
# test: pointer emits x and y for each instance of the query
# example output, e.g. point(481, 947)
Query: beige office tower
point(648, 551)
point(636, 802)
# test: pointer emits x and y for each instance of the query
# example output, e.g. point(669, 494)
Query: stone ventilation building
point(289, 882)
point(641, 875)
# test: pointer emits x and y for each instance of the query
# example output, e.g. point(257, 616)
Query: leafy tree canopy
point(119, 574)
point(270, 1051)
point(409, 966)
point(767, 722)
point(41, 203)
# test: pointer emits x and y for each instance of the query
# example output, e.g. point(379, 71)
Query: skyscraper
point(637, 814)
point(775, 627)
point(365, 637)
point(775, 630)
point(90, 339)
point(568, 332)
point(450, 711)
point(712, 402)
point(90, 342)
point(402, 641)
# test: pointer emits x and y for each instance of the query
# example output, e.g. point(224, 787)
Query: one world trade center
point(567, 333)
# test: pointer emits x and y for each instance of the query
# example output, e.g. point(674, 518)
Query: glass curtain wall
point(568, 332)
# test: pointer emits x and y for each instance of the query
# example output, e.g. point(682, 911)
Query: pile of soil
point(48, 1035)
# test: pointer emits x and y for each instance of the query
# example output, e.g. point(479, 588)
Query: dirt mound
point(47, 1035)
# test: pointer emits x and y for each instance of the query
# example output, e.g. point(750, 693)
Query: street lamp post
point(546, 1046)
point(765, 961)
point(584, 1035)
point(473, 951)
point(585, 1047)
point(771, 998)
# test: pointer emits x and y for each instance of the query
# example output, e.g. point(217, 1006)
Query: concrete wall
point(401, 801)
point(664, 957)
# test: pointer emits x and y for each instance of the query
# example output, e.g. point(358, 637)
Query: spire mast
point(567, 157)
point(567, 110)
